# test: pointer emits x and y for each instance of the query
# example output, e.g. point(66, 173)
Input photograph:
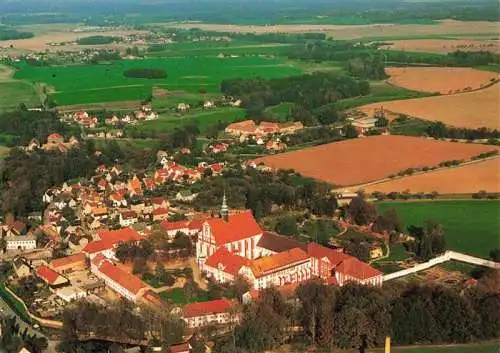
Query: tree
point(287, 226)
point(359, 250)
point(139, 265)
point(360, 211)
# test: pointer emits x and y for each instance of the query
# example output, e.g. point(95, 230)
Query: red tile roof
point(47, 274)
point(128, 281)
point(54, 136)
point(160, 211)
point(268, 264)
point(231, 263)
point(80, 257)
point(180, 348)
point(178, 225)
point(355, 268)
point(98, 246)
point(319, 252)
point(239, 226)
point(123, 234)
point(207, 308)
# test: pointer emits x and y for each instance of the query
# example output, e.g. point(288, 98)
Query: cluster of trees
point(263, 191)
point(23, 125)
point(429, 240)
point(360, 317)
point(13, 339)
point(12, 34)
point(319, 135)
point(119, 321)
point(368, 67)
point(438, 129)
point(307, 91)
point(145, 73)
point(97, 40)
point(139, 254)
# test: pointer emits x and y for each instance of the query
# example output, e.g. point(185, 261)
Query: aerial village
point(74, 249)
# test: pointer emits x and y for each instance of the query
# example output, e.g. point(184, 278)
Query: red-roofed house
point(223, 265)
point(338, 268)
point(180, 348)
point(76, 262)
point(55, 138)
point(108, 240)
point(125, 284)
point(214, 312)
point(160, 214)
point(127, 218)
point(172, 228)
point(51, 277)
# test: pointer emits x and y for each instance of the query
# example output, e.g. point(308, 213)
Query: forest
point(12, 34)
point(97, 40)
point(307, 91)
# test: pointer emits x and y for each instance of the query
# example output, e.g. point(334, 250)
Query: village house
point(364, 125)
point(125, 284)
point(185, 196)
point(52, 278)
point(180, 348)
point(275, 145)
point(127, 218)
point(160, 214)
point(20, 242)
point(107, 240)
point(218, 147)
point(173, 228)
point(21, 267)
point(214, 312)
point(69, 264)
point(183, 107)
point(209, 104)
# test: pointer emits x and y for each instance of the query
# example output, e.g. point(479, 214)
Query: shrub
point(145, 73)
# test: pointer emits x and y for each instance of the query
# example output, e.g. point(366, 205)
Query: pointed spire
point(224, 211)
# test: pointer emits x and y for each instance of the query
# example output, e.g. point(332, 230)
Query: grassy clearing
point(280, 111)
point(100, 83)
point(381, 91)
point(456, 266)
point(133, 143)
point(202, 118)
point(471, 226)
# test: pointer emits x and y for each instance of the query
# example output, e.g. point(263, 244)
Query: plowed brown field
point(443, 46)
point(470, 110)
point(462, 180)
point(363, 160)
point(444, 80)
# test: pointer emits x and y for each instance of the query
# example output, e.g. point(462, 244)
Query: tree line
point(262, 191)
point(360, 317)
point(97, 40)
point(12, 34)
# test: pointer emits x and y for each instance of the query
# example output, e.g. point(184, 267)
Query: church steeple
point(224, 210)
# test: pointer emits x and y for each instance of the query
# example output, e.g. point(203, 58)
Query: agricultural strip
point(470, 110)
point(362, 160)
point(444, 80)
point(471, 227)
point(466, 179)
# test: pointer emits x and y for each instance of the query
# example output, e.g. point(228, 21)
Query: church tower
point(224, 210)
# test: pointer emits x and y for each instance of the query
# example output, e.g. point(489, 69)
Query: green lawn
point(177, 296)
point(280, 111)
point(82, 84)
point(472, 227)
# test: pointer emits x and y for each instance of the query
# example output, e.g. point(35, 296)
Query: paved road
point(5, 310)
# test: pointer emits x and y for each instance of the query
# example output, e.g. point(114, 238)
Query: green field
point(105, 82)
point(280, 111)
point(14, 92)
point(472, 227)
point(177, 296)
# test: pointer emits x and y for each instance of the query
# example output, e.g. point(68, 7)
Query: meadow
point(470, 226)
point(202, 118)
point(13, 92)
point(105, 82)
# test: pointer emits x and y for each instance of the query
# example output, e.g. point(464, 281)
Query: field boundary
point(447, 256)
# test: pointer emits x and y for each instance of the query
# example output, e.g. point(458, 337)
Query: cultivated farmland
point(362, 160)
point(471, 227)
point(466, 179)
point(443, 46)
point(444, 80)
point(470, 110)
point(101, 83)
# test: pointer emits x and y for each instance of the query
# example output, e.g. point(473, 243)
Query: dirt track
point(362, 160)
